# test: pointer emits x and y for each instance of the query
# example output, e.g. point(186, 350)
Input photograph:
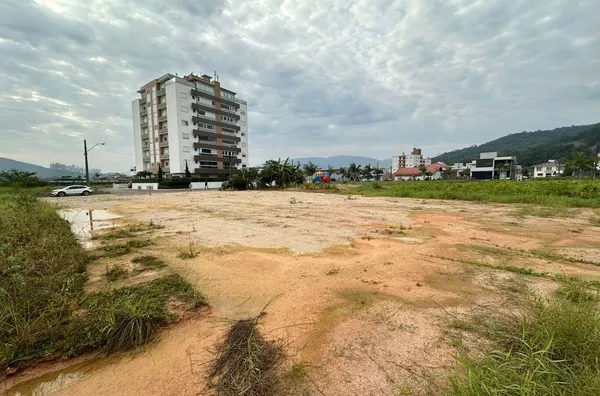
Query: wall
point(179, 94)
point(243, 123)
point(137, 135)
point(144, 186)
point(120, 185)
point(200, 185)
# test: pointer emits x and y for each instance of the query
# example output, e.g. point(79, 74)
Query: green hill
point(533, 147)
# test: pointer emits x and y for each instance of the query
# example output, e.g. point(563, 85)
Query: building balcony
point(213, 134)
point(163, 130)
point(144, 124)
point(166, 168)
point(208, 145)
point(164, 144)
point(164, 156)
point(163, 118)
point(205, 107)
point(143, 112)
point(146, 136)
point(162, 105)
point(212, 96)
point(143, 100)
point(160, 92)
point(214, 171)
point(215, 123)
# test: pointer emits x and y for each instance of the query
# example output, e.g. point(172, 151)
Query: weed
point(117, 234)
point(115, 273)
point(191, 251)
point(148, 262)
point(543, 211)
point(367, 238)
point(551, 349)
point(139, 243)
point(333, 271)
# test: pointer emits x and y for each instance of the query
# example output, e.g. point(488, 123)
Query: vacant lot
point(367, 291)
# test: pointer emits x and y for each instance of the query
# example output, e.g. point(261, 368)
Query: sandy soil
point(363, 289)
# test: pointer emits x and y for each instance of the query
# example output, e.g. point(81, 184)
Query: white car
point(71, 190)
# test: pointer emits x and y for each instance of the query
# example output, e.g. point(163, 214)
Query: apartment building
point(189, 120)
point(413, 160)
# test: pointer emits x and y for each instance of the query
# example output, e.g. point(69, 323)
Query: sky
point(355, 77)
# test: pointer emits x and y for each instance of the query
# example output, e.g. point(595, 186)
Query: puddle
point(57, 380)
point(80, 222)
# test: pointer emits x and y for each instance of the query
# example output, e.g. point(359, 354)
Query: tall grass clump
point(553, 349)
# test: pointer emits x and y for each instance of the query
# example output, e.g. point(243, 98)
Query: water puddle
point(57, 380)
point(81, 225)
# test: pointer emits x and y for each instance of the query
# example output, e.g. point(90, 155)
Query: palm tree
point(447, 172)
point(343, 172)
point(368, 172)
point(580, 162)
point(310, 169)
point(354, 171)
point(378, 172)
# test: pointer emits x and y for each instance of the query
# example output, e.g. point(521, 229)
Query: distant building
point(413, 160)
point(433, 172)
point(551, 168)
point(190, 121)
point(491, 166)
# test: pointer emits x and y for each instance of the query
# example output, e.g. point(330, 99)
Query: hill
point(44, 173)
point(533, 147)
point(339, 161)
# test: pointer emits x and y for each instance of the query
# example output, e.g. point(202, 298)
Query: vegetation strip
point(44, 312)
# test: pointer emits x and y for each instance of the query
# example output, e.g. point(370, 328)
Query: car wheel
point(61, 194)
point(85, 193)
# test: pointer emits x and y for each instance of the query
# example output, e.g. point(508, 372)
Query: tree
point(423, 170)
point(448, 172)
point(19, 178)
point(160, 173)
point(143, 174)
point(378, 172)
point(188, 174)
point(310, 169)
point(354, 172)
point(343, 171)
point(331, 171)
point(280, 173)
point(367, 172)
point(579, 162)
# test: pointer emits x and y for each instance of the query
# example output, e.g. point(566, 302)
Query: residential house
point(491, 166)
point(414, 160)
point(433, 172)
point(551, 168)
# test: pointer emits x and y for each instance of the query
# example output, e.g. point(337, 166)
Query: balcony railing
point(162, 105)
point(163, 118)
point(144, 124)
point(160, 92)
point(164, 144)
point(163, 130)
point(164, 156)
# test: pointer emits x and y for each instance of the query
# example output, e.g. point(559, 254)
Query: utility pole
point(87, 169)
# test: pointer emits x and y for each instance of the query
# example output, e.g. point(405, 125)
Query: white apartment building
point(413, 160)
point(189, 120)
point(551, 168)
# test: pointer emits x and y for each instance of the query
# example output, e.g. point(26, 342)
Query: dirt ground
point(362, 289)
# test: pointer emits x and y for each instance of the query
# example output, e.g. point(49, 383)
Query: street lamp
point(85, 153)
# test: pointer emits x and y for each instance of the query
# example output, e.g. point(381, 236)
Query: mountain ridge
point(343, 161)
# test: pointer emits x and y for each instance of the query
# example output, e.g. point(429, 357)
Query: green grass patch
point(543, 211)
point(115, 273)
point(148, 262)
point(44, 312)
point(555, 193)
point(552, 348)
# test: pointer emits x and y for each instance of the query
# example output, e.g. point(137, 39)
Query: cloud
point(362, 77)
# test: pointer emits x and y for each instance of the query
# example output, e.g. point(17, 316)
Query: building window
point(243, 112)
point(206, 151)
point(244, 155)
point(183, 95)
point(166, 163)
point(184, 123)
point(183, 109)
point(186, 149)
point(243, 134)
point(185, 135)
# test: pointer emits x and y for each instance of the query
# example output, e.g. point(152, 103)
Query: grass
point(190, 252)
point(551, 348)
point(148, 262)
point(555, 193)
point(543, 211)
point(115, 273)
point(121, 249)
point(44, 312)
point(247, 364)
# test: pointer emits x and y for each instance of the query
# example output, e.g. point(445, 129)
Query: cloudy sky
point(322, 77)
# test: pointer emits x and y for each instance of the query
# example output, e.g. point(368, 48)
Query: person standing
point(206, 185)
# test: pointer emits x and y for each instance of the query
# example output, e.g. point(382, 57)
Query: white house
point(551, 168)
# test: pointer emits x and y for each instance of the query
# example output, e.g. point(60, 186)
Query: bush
point(238, 183)
point(174, 183)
